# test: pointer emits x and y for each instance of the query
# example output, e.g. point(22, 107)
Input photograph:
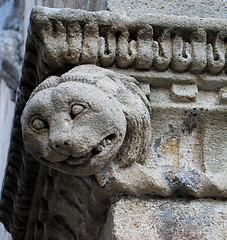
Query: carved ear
point(142, 90)
point(138, 136)
point(49, 82)
point(136, 143)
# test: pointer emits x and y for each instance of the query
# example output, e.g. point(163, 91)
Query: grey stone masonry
point(113, 113)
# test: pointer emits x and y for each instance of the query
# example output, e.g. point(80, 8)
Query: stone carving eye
point(76, 110)
point(39, 124)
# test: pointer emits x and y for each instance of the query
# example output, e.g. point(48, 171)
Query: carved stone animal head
point(79, 122)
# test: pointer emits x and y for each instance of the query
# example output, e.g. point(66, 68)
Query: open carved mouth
point(106, 142)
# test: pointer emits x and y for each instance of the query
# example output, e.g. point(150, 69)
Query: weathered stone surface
point(188, 143)
point(66, 207)
point(68, 129)
point(191, 8)
point(184, 93)
point(89, 5)
point(77, 123)
point(181, 159)
point(194, 48)
point(183, 140)
point(223, 95)
point(166, 219)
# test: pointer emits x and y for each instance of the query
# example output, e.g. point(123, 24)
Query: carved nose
point(65, 143)
point(59, 142)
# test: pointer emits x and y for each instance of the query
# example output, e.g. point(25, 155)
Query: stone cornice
point(193, 48)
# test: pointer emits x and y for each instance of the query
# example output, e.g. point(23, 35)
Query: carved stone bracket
point(113, 105)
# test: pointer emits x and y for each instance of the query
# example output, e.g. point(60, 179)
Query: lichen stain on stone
point(183, 183)
point(172, 148)
point(190, 122)
point(188, 232)
point(157, 144)
point(178, 225)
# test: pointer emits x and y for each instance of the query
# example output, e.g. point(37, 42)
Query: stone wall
point(190, 8)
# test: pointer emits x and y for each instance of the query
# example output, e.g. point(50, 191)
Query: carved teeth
point(102, 148)
point(99, 148)
point(103, 143)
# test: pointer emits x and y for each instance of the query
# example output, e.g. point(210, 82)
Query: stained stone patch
point(166, 219)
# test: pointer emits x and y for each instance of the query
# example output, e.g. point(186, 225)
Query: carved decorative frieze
point(178, 44)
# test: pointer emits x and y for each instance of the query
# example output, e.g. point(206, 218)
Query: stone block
point(184, 93)
point(166, 219)
point(223, 95)
point(192, 8)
